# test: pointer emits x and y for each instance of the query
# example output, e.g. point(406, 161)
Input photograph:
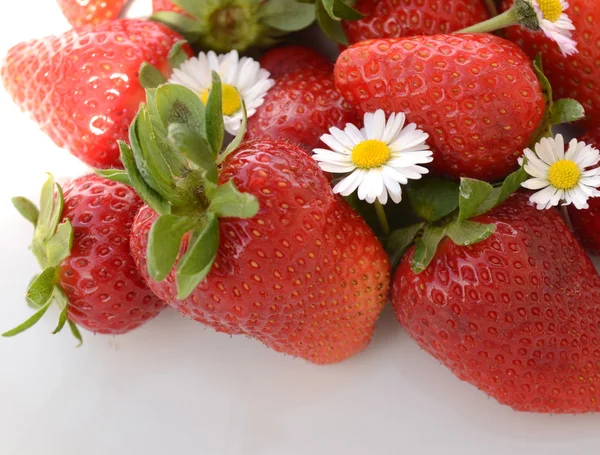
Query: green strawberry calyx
point(172, 162)
point(225, 25)
point(51, 245)
point(330, 13)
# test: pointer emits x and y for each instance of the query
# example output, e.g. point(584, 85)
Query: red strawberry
point(586, 223)
point(82, 87)
point(166, 5)
point(290, 59)
point(306, 276)
point(575, 76)
point(395, 19)
point(477, 96)
point(516, 315)
point(87, 264)
point(300, 108)
point(80, 13)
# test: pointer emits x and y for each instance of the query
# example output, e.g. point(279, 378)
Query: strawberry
point(300, 108)
point(80, 13)
point(291, 59)
point(166, 5)
point(82, 88)
point(477, 96)
point(259, 245)
point(586, 223)
point(575, 76)
point(395, 19)
point(516, 315)
point(81, 241)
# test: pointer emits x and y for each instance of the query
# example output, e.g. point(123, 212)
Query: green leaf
point(148, 195)
point(29, 322)
point(195, 148)
point(237, 140)
point(193, 7)
point(58, 247)
point(228, 202)
point(26, 208)
point(116, 175)
point(61, 300)
point(338, 9)
point(545, 127)
point(467, 232)
point(399, 241)
point(51, 206)
point(177, 54)
point(150, 76)
point(566, 110)
point(426, 246)
point(332, 28)
point(41, 289)
point(178, 104)
point(510, 185)
point(75, 331)
point(287, 15)
point(199, 258)
point(164, 241)
point(472, 194)
point(189, 27)
point(215, 130)
point(433, 198)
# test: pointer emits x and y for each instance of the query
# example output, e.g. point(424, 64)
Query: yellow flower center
point(370, 154)
point(230, 97)
point(551, 9)
point(564, 174)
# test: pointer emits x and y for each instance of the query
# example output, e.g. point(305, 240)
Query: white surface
point(173, 387)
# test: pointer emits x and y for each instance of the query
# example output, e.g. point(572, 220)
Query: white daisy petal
point(557, 28)
point(535, 184)
point(348, 185)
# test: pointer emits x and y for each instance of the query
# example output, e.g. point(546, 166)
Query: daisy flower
point(378, 158)
point(555, 23)
point(562, 176)
point(242, 78)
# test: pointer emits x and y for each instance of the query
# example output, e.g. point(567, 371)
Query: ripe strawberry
point(575, 76)
point(166, 5)
point(395, 19)
point(300, 108)
point(251, 240)
point(80, 13)
point(516, 315)
point(477, 96)
point(87, 265)
point(306, 276)
point(586, 223)
point(291, 59)
point(82, 87)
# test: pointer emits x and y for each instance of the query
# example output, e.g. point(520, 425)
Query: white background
point(173, 387)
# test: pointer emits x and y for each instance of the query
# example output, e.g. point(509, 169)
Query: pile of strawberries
point(251, 234)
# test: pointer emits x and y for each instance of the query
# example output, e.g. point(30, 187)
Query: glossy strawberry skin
point(106, 293)
point(395, 19)
point(82, 87)
point(290, 59)
point(576, 76)
point(91, 12)
point(300, 108)
point(477, 96)
point(305, 276)
point(586, 223)
point(517, 315)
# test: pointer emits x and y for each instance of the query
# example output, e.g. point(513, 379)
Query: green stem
point(385, 226)
point(492, 8)
point(506, 19)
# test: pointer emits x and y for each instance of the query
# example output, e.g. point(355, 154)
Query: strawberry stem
point(383, 221)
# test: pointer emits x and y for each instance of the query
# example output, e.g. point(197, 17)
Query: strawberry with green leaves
point(82, 88)
point(252, 240)
point(477, 96)
point(81, 240)
point(92, 12)
point(394, 19)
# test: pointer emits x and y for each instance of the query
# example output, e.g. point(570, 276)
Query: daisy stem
point(506, 19)
point(383, 221)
